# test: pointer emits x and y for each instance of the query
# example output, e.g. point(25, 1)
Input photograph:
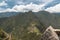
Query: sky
point(29, 5)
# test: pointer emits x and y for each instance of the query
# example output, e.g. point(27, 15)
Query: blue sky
point(26, 5)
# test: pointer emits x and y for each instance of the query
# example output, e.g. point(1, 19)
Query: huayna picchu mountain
point(29, 25)
point(23, 26)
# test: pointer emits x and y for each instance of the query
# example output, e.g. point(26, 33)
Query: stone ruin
point(51, 34)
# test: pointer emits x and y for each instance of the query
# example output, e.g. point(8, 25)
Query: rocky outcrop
point(50, 34)
point(4, 35)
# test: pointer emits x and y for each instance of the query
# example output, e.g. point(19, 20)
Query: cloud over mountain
point(55, 8)
point(25, 8)
point(26, 5)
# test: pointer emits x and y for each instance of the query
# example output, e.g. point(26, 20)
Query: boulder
point(49, 34)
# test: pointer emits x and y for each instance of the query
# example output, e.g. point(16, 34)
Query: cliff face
point(50, 34)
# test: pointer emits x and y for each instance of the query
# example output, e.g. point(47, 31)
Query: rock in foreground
point(50, 34)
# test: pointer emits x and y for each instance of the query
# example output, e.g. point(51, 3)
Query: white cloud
point(24, 8)
point(20, 2)
point(8, 10)
point(33, 7)
point(46, 1)
point(3, 3)
point(55, 8)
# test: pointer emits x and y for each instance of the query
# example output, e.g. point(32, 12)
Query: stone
point(49, 34)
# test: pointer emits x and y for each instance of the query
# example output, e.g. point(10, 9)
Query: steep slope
point(22, 25)
point(56, 20)
point(45, 17)
point(25, 25)
point(48, 19)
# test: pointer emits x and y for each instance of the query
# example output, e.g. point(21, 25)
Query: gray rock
point(50, 34)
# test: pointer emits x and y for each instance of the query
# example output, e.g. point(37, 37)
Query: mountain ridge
point(29, 23)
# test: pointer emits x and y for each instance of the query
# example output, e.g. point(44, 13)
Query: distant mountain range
point(7, 14)
point(20, 24)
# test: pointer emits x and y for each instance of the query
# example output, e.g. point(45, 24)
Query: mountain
point(44, 17)
point(23, 26)
point(48, 19)
point(29, 25)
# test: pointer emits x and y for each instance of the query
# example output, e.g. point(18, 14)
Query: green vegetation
point(2, 35)
point(22, 26)
point(29, 25)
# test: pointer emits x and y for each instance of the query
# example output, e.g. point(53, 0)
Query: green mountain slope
point(23, 26)
point(48, 19)
point(29, 25)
